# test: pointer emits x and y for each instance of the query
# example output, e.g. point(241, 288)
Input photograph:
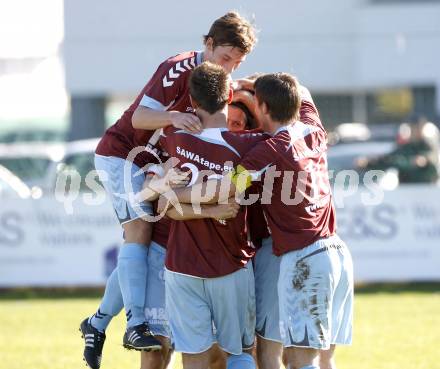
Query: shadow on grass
point(97, 292)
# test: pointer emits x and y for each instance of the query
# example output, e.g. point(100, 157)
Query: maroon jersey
point(256, 220)
point(161, 230)
point(208, 248)
point(299, 208)
point(166, 90)
point(257, 224)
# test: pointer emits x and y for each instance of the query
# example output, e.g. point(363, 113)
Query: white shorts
point(121, 188)
point(203, 311)
point(315, 291)
point(267, 271)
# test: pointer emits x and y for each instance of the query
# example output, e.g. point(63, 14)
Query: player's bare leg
point(327, 359)
point(157, 359)
point(138, 231)
point(196, 361)
point(217, 358)
point(214, 358)
point(285, 359)
point(298, 358)
point(269, 354)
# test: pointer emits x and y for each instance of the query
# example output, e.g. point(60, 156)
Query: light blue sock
point(132, 273)
point(310, 367)
point(243, 361)
point(111, 303)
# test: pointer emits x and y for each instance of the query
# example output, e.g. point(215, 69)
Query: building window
point(334, 109)
point(400, 104)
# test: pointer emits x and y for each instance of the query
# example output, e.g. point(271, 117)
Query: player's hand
point(225, 211)
point(186, 121)
point(243, 84)
point(177, 178)
point(162, 203)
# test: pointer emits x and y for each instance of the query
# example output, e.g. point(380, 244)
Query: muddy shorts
point(315, 290)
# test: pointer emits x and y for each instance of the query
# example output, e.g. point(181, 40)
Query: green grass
point(396, 327)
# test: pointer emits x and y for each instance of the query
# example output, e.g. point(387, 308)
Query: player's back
point(208, 248)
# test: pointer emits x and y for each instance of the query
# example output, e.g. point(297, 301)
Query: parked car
point(351, 143)
point(31, 161)
point(346, 155)
point(79, 156)
point(39, 165)
point(13, 187)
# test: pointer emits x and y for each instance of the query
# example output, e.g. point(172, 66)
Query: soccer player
point(120, 155)
point(159, 179)
point(266, 269)
point(240, 112)
point(155, 312)
point(315, 285)
point(241, 115)
point(208, 277)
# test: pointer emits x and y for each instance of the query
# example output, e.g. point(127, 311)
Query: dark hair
point(250, 120)
point(209, 87)
point(232, 30)
point(280, 93)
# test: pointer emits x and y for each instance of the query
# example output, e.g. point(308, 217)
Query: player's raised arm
point(164, 101)
point(150, 119)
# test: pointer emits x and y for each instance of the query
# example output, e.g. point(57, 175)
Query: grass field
point(396, 327)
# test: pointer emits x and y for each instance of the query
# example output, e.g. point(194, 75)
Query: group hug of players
point(227, 285)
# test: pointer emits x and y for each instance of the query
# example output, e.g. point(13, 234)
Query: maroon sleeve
point(165, 138)
point(259, 159)
point(163, 88)
point(308, 112)
point(249, 139)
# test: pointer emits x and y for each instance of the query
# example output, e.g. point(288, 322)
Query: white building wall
point(333, 46)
